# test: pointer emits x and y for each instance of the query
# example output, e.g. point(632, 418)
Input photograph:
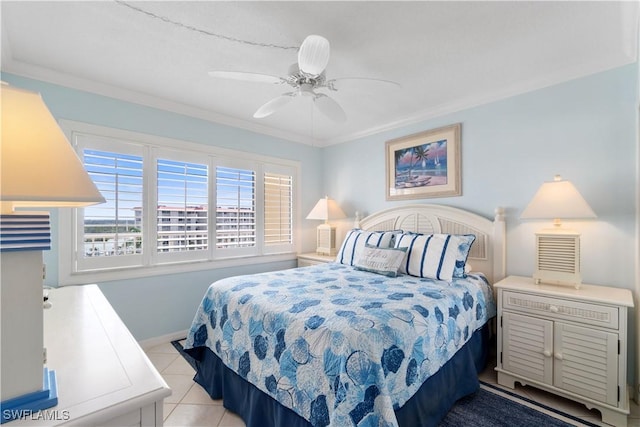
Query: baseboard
point(163, 339)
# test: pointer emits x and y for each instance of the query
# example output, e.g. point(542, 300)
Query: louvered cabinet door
point(586, 362)
point(527, 347)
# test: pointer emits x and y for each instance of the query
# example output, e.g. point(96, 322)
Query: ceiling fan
point(305, 77)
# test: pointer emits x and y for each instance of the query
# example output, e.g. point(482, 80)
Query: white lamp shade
point(558, 199)
point(39, 168)
point(313, 55)
point(326, 209)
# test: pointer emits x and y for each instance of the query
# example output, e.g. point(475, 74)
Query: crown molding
point(561, 76)
point(556, 78)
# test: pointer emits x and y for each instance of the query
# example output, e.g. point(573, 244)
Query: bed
point(352, 343)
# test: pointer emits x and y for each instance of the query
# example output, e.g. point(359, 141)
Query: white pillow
point(357, 239)
point(434, 255)
point(385, 261)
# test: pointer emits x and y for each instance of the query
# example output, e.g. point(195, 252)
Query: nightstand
point(312, 258)
point(567, 341)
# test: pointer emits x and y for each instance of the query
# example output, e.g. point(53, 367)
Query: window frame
point(74, 270)
point(102, 263)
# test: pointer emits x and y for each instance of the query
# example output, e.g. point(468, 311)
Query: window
point(182, 208)
point(114, 228)
point(172, 202)
point(235, 208)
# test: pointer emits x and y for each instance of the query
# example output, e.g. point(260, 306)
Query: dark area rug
point(486, 408)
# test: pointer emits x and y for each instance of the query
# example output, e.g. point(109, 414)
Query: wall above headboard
point(583, 129)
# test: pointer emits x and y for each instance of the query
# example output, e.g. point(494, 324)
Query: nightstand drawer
point(592, 314)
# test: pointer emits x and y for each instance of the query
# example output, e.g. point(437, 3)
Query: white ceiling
point(446, 55)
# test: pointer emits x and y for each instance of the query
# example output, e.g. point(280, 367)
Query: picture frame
point(424, 165)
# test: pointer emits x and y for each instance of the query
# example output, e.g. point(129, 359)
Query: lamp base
point(31, 403)
point(326, 240)
point(558, 258)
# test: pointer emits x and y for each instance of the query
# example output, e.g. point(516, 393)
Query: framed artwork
point(424, 165)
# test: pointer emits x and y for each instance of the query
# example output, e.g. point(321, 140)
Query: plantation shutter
point(114, 228)
point(182, 206)
point(278, 209)
point(235, 208)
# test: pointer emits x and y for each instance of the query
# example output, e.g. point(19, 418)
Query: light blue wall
point(159, 305)
point(584, 130)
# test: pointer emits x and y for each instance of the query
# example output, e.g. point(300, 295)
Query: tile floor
point(190, 406)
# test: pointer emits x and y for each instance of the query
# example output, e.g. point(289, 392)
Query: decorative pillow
point(435, 256)
point(385, 261)
point(462, 268)
point(356, 240)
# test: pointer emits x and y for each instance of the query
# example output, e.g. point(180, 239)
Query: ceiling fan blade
point(246, 77)
point(271, 106)
point(330, 108)
point(336, 84)
point(313, 55)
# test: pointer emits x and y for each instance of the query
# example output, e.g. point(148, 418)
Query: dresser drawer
point(585, 313)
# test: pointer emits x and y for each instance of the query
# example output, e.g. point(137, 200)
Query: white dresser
point(567, 341)
point(104, 378)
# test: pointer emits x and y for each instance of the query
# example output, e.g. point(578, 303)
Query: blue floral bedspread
point(338, 346)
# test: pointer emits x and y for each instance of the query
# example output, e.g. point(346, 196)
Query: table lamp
point(39, 168)
point(558, 249)
point(326, 209)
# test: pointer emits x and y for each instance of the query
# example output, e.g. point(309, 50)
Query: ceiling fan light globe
point(313, 55)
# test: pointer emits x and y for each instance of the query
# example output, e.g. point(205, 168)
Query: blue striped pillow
point(356, 239)
point(434, 256)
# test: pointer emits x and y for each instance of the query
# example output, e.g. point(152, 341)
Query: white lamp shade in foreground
point(39, 168)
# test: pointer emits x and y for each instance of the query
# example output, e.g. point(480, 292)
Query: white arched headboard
point(488, 252)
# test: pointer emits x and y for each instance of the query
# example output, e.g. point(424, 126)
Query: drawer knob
point(546, 353)
point(553, 309)
point(559, 356)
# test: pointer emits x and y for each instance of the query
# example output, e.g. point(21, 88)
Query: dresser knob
point(546, 353)
point(553, 309)
point(559, 356)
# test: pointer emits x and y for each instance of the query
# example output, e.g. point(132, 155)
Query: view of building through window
point(182, 208)
point(115, 228)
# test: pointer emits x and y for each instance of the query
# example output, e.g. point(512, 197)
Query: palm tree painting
point(421, 165)
point(425, 164)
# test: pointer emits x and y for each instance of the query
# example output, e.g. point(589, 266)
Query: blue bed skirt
point(456, 379)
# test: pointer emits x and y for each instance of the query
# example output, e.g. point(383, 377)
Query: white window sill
point(156, 270)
